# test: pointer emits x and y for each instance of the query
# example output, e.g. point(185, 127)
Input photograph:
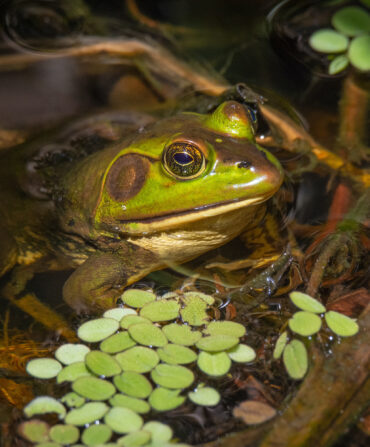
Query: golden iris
point(183, 160)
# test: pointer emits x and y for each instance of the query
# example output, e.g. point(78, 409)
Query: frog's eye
point(252, 116)
point(183, 160)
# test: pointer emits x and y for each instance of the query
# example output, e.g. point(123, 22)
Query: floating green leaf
point(34, 431)
point(72, 372)
point(328, 41)
point(137, 298)
point(87, 414)
point(133, 384)
point(305, 323)
point(44, 405)
point(307, 303)
point(118, 313)
point(96, 435)
point(98, 329)
point(205, 396)
point(160, 433)
point(176, 354)
point(225, 328)
point(162, 310)
point(135, 439)
point(359, 52)
point(49, 444)
point(71, 353)
point(73, 400)
point(139, 359)
point(181, 334)
point(133, 403)
point(216, 343)
point(43, 368)
point(163, 399)
point(102, 364)
point(147, 334)
point(123, 420)
point(129, 320)
point(207, 298)
point(280, 345)
point(351, 21)
point(341, 324)
point(295, 359)
point(194, 311)
point(338, 64)
point(64, 434)
point(117, 343)
point(93, 388)
point(172, 376)
point(214, 364)
point(242, 353)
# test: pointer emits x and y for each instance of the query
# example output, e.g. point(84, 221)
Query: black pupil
point(183, 158)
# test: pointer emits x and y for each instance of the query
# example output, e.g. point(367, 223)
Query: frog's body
point(163, 192)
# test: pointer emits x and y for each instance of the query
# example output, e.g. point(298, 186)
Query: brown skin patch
point(127, 176)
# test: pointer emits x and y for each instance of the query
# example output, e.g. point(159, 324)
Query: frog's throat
point(169, 222)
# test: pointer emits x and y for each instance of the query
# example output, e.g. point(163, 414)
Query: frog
point(128, 197)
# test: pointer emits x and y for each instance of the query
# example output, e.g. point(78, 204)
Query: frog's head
point(183, 169)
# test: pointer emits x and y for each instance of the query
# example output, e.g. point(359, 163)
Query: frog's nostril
point(244, 164)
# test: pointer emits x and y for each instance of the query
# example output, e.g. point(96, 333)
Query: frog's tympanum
point(166, 191)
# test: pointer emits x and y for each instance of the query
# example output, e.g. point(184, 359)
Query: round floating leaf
point(138, 359)
point(280, 345)
point(137, 298)
point(72, 372)
point(359, 52)
point(295, 359)
point(71, 353)
point(133, 384)
point(338, 64)
point(168, 295)
point(225, 328)
point(194, 311)
point(207, 298)
point(117, 343)
point(351, 21)
point(96, 434)
point(123, 420)
point(163, 399)
point(44, 405)
point(43, 368)
point(93, 388)
point(49, 444)
point(87, 414)
point(242, 353)
point(305, 323)
point(129, 320)
point(216, 343)
point(118, 313)
point(133, 403)
point(73, 400)
point(102, 364)
point(214, 364)
point(160, 433)
point(147, 334)
point(205, 396)
point(254, 412)
point(328, 41)
point(98, 329)
point(34, 431)
point(181, 334)
point(176, 354)
point(64, 434)
point(306, 302)
point(162, 310)
point(341, 324)
point(172, 376)
point(135, 439)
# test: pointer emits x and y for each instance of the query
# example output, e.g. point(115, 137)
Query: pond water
point(46, 81)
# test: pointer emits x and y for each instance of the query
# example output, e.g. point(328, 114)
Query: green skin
point(117, 212)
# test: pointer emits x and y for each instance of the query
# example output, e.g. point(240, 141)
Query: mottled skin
point(115, 211)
